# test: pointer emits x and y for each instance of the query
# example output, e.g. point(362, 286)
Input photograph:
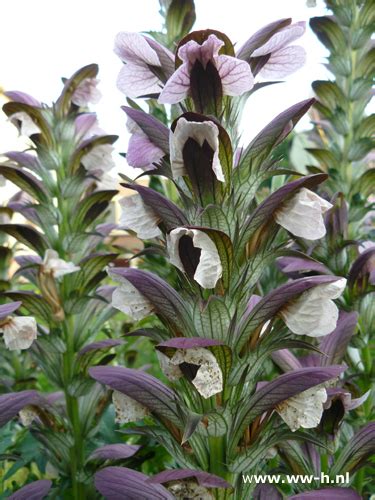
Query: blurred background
point(42, 41)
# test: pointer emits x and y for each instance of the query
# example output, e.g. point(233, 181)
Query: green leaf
point(91, 267)
point(91, 207)
point(25, 181)
point(365, 184)
point(35, 304)
point(329, 33)
point(26, 235)
point(360, 88)
point(223, 355)
point(366, 127)
point(329, 94)
point(360, 148)
point(325, 157)
point(213, 322)
point(180, 19)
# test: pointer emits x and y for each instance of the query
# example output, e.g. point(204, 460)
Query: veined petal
point(209, 268)
point(302, 215)
point(24, 123)
point(127, 409)
point(99, 158)
point(136, 80)
point(281, 39)
point(209, 378)
point(236, 76)
point(142, 152)
point(19, 332)
point(284, 62)
point(58, 267)
point(199, 132)
point(314, 313)
point(127, 299)
point(133, 48)
point(139, 217)
point(87, 92)
point(177, 87)
point(303, 410)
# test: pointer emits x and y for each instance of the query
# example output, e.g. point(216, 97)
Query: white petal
point(182, 490)
point(19, 332)
point(28, 127)
point(236, 76)
point(314, 313)
point(209, 269)
point(177, 87)
point(284, 62)
point(136, 80)
point(127, 409)
point(27, 416)
point(302, 215)
point(58, 267)
point(133, 48)
point(99, 158)
point(209, 378)
point(139, 217)
point(281, 39)
point(86, 93)
point(127, 299)
point(170, 370)
point(304, 410)
point(200, 132)
point(106, 182)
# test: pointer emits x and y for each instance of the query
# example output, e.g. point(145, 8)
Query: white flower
point(27, 415)
point(170, 370)
point(189, 489)
point(24, 123)
point(106, 183)
point(199, 132)
point(139, 217)
point(127, 409)
point(58, 267)
point(302, 215)
point(99, 158)
point(208, 379)
point(86, 93)
point(19, 332)
point(303, 410)
point(209, 268)
point(314, 313)
point(127, 299)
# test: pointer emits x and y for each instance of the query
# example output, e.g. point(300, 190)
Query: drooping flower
point(193, 252)
point(282, 59)
point(235, 75)
point(127, 409)
point(99, 158)
point(24, 123)
point(201, 133)
point(302, 215)
point(142, 152)
point(20, 331)
point(143, 60)
point(139, 217)
point(128, 299)
point(86, 93)
point(314, 313)
point(305, 409)
point(56, 266)
point(208, 379)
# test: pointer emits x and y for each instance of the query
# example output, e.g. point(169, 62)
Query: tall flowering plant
point(224, 408)
point(57, 306)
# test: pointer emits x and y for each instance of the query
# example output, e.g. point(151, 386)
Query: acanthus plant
point(56, 307)
point(213, 333)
